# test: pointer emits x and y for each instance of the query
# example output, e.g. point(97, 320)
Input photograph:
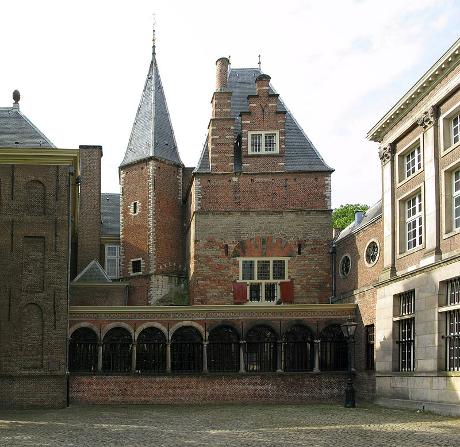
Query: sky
point(339, 66)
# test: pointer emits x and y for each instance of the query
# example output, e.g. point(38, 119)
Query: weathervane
point(260, 64)
point(153, 35)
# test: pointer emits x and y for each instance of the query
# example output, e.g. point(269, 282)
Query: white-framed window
point(455, 125)
point(371, 255)
point(413, 161)
point(263, 277)
point(112, 260)
point(456, 199)
point(263, 142)
point(406, 329)
point(452, 337)
point(136, 266)
point(414, 222)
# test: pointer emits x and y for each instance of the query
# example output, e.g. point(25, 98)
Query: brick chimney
point(262, 84)
point(221, 73)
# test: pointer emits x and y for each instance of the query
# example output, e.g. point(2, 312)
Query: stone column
point(205, 357)
point(168, 357)
point(99, 357)
point(386, 155)
point(429, 122)
point(279, 357)
point(134, 357)
point(242, 363)
point(316, 347)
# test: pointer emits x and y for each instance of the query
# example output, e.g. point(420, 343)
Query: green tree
point(344, 215)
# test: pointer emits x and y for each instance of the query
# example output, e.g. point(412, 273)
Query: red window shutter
point(287, 292)
point(240, 293)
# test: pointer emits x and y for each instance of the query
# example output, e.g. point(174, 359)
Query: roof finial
point(260, 64)
point(16, 96)
point(153, 36)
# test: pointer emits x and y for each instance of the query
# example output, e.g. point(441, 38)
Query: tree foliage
point(344, 215)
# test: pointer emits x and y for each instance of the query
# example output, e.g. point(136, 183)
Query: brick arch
point(84, 324)
point(262, 246)
point(117, 324)
point(151, 324)
point(188, 323)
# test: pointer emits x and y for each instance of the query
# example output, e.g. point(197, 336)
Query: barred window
point(256, 143)
point(414, 221)
point(263, 142)
point(413, 161)
point(270, 142)
point(456, 129)
point(453, 326)
point(370, 342)
point(456, 199)
point(406, 326)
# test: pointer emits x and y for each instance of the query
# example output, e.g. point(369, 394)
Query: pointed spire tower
point(151, 224)
point(152, 133)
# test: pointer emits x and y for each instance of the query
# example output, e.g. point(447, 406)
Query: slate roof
point(110, 214)
point(93, 273)
point(152, 134)
point(301, 154)
point(372, 213)
point(16, 130)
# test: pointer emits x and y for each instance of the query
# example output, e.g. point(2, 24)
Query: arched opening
point(186, 350)
point(333, 349)
point(116, 350)
point(261, 349)
point(151, 351)
point(223, 350)
point(35, 198)
point(298, 349)
point(83, 350)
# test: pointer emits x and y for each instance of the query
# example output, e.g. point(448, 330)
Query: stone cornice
point(427, 82)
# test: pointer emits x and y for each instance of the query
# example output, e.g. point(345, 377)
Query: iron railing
point(151, 357)
point(186, 357)
point(83, 356)
point(224, 357)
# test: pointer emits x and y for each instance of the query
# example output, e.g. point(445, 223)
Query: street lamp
point(348, 330)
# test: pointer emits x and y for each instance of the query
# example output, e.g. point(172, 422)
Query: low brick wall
point(212, 388)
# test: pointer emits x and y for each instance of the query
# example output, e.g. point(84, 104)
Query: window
point(372, 253)
point(414, 225)
point(453, 326)
point(370, 341)
point(456, 129)
point(345, 266)
point(136, 266)
point(263, 142)
point(134, 208)
point(456, 199)
point(112, 261)
point(263, 276)
point(413, 161)
point(406, 326)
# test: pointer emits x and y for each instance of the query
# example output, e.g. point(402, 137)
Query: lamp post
point(348, 330)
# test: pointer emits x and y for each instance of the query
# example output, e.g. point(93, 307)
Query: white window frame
point(448, 131)
point(263, 135)
point(455, 129)
point(131, 266)
point(455, 197)
point(402, 173)
point(414, 216)
point(413, 164)
point(111, 257)
point(263, 282)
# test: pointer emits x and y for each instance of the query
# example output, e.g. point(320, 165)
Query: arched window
point(35, 198)
point(83, 350)
point(261, 349)
point(223, 350)
point(333, 349)
point(116, 350)
point(186, 350)
point(151, 351)
point(298, 349)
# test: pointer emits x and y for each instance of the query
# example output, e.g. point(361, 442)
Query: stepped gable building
point(401, 263)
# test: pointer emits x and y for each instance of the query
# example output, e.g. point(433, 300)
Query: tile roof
point(152, 134)
point(110, 214)
point(93, 273)
point(16, 130)
point(372, 213)
point(301, 154)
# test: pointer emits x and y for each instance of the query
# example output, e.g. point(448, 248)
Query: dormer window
point(263, 142)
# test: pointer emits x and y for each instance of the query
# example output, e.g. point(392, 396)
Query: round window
point(372, 253)
point(345, 266)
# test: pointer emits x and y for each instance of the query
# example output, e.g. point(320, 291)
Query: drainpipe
point(333, 257)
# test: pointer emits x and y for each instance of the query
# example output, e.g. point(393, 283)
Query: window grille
point(270, 142)
point(298, 351)
point(83, 351)
point(413, 162)
point(414, 223)
point(372, 253)
point(263, 142)
point(370, 343)
point(345, 266)
point(117, 351)
point(223, 350)
point(256, 143)
point(406, 327)
point(333, 355)
point(151, 351)
point(453, 326)
point(186, 351)
point(456, 199)
point(456, 129)
point(261, 350)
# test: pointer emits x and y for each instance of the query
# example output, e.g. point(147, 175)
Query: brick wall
point(89, 225)
point(33, 282)
point(257, 388)
point(102, 295)
point(212, 272)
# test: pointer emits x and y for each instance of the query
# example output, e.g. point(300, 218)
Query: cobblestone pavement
point(226, 425)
